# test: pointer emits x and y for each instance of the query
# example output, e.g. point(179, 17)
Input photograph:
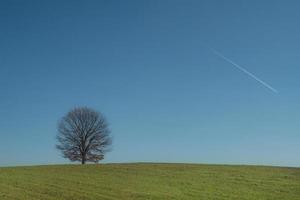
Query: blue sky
point(148, 66)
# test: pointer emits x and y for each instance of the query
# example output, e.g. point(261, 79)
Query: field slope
point(149, 181)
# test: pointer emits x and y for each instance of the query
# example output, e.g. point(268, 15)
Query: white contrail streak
point(245, 71)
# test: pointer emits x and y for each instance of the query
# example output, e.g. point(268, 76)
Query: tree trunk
point(83, 159)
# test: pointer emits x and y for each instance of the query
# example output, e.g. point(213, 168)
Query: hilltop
point(149, 181)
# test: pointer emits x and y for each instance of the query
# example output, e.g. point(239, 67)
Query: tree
point(83, 135)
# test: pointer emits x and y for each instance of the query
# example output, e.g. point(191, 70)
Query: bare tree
point(83, 135)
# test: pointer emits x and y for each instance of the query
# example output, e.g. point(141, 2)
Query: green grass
point(149, 181)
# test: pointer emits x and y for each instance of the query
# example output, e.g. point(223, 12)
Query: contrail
point(245, 71)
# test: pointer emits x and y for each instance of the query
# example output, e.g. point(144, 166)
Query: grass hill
point(149, 181)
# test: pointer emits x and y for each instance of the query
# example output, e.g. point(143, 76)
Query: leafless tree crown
point(83, 135)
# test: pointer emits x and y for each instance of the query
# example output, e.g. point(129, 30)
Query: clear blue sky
point(148, 67)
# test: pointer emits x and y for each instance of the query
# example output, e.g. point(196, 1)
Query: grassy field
point(149, 181)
